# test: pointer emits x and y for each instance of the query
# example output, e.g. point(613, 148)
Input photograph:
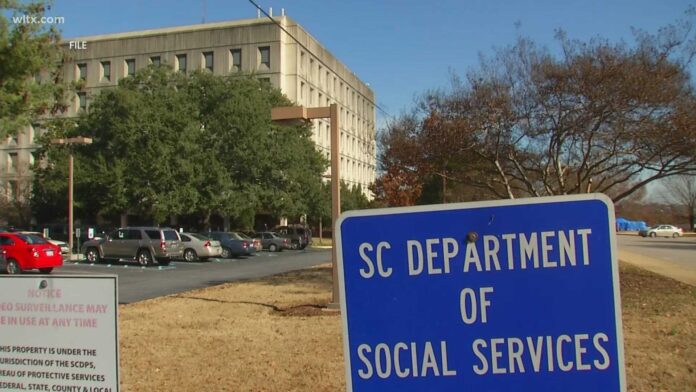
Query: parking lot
point(136, 283)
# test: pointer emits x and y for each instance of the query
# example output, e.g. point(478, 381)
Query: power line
point(315, 56)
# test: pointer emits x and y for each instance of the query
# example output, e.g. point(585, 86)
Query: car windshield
point(31, 239)
point(244, 236)
point(199, 236)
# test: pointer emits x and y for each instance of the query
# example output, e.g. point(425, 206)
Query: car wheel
point(46, 270)
point(144, 257)
point(293, 245)
point(92, 255)
point(273, 248)
point(653, 234)
point(13, 268)
point(226, 253)
point(190, 255)
point(675, 235)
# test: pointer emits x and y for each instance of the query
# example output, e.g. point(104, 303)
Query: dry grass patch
point(273, 335)
point(659, 316)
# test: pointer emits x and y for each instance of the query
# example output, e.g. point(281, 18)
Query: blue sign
point(514, 295)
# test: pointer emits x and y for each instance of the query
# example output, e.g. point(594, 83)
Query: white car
point(61, 244)
point(662, 231)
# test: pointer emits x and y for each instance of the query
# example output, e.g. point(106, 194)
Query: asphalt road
point(136, 283)
point(680, 251)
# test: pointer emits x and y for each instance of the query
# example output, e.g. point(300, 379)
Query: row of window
point(350, 145)
point(180, 63)
point(342, 93)
point(347, 119)
point(359, 127)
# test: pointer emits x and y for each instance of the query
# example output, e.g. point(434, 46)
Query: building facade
point(306, 73)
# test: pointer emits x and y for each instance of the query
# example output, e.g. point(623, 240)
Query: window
point(181, 63)
point(15, 191)
point(155, 60)
point(311, 69)
point(208, 61)
point(265, 56)
point(301, 90)
point(133, 234)
point(13, 162)
point(82, 101)
point(311, 96)
point(170, 235)
point(130, 67)
point(82, 71)
point(236, 60)
point(106, 71)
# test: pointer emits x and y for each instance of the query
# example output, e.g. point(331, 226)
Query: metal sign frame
point(340, 244)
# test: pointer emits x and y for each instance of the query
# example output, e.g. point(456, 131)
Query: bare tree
point(682, 190)
point(600, 117)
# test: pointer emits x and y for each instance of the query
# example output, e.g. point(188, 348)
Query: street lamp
point(78, 140)
point(289, 113)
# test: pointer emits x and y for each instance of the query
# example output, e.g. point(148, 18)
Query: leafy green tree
point(143, 158)
point(269, 167)
point(169, 144)
point(30, 55)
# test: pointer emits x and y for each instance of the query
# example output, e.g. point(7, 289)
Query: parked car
point(3, 260)
point(61, 244)
point(25, 251)
point(272, 241)
point(256, 243)
point(199, 247)
point(299, 236)
point(233, 245)
point(662, 231)
point(142, 244)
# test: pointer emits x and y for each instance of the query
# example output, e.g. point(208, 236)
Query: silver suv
point(142, 244)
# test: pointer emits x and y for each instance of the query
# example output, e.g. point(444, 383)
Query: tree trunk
point(206, 221)
point(321, 231)
point(124, 219)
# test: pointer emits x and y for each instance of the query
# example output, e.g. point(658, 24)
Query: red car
point(26, 251)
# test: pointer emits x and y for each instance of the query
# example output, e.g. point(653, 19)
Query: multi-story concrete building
point(306, 73)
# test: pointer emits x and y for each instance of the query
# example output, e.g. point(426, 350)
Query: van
point(299, 236)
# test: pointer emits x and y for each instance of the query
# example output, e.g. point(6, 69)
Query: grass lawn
point(272, 335)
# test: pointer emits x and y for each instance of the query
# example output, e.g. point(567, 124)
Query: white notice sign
point(59, 333)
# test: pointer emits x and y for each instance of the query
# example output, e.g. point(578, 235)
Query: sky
point(402, 48)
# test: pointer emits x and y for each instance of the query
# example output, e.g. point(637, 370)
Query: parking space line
point(154, 267)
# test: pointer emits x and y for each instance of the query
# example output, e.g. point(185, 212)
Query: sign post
point(489, 296)
point(59, 333)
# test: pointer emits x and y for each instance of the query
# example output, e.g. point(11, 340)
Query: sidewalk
point(659, 266)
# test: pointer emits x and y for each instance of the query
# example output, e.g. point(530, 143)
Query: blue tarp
point(627, 225)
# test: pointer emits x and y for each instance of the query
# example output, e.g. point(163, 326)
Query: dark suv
point(299, 236)
point(142, 244)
